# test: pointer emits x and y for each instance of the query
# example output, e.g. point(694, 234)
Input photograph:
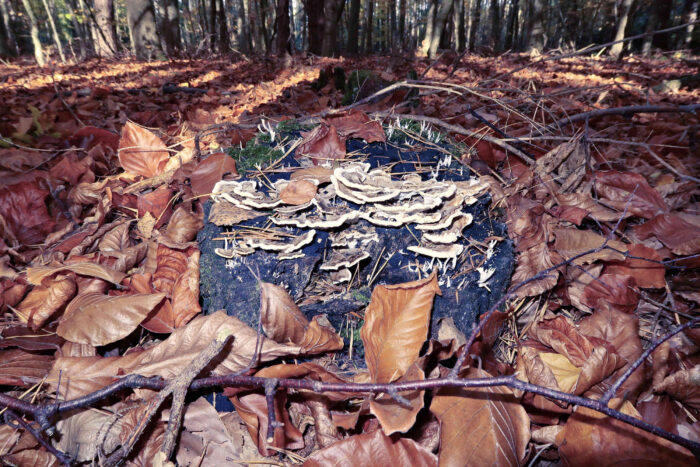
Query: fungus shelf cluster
point(353, 193)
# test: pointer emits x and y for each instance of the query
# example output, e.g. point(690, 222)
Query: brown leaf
point(586, 202)
point(682, 237)
point(530, 262)
point(561, 335)
point(24, 369)
point(396, 326)
point(23, 207)
point(647, 274)
point(618, 188)
point(87, 433)
point(326, 431)
point(322, 144)
point(684, 386)
point(183, 226)
point(157, 203)
point(37, 274)
point(615, 290)
point(621, 330)
point(308, 370)
point(572, 242)
point(170, 265)
point(298, 192)
point(45, 300)
point(82, 375)
point(370, 450)
point(481, 426)
point(210, 171)
point(141, 152)
point(393, 416)
point(356, 124)
point(315, 173)
point(591, 438)
point(253, 410)
point(98, 319)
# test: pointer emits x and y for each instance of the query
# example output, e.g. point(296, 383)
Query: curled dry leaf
point(82, 375)
point(396, 326)
point(357, 124)
point(372, 449)
point(591, 438)
point(157, 203)
point(87, 433)
point(37, 274)
point(183, 226)
point(480, 426)
point(684, 386)
point(572, 242)
point(322, 144)
point(210, 171)
point(284, 322)
point(298, 192)
point(617, 291)
point(24, 369)
point(647, 274)
point(23, 208)
point(393, 416)
point(308, 370)
point(682, 237)
point(586, 202)
point(252, 408)
point(631, 190)
point(530, 262)
point(97, 319)
point(46, 299)
point(141, 152)
point(315, 173)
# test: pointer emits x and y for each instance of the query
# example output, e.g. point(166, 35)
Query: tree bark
point(170, 27)
point(402, 24)
point(429, 26)
point(392, 25)
point(332, 10)
point(458, 20)
point(616, 49)
point(353, 26)
point(536, 20)
point(690, 14)
point(369, 6)
point(663, 11)
point(474, 26)
point(443, 12)
point(34, 31)
point(495, 26)
point(224, 44)
point(54, 32)
point(316, 19)
point(282, 30)
point(106, 37)
point(142, 25)
point(512, 31)
point(11, 46)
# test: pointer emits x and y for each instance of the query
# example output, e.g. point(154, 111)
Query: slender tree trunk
point(458, 24)
point(353, 26)
point(429, 26)
point(616, 49)
point(262, 14)
point(106, 36)
point(282, 30)
point(536, 42)
point(54, 32)
point(242, 28)
point(224, 42)
point(256, 24)
point(331, 12)
point(78, 32)
point(392, 24)
point(443, 11)
point(212, 25)
point(369, 6)
point(495, 26)
point(512, 31)
point(402, 24)
point(11, 45)
point(34, 31)
point(690, 14)
point(316, 19)
point(142, 26)
point(476, 17)
point(170, 27)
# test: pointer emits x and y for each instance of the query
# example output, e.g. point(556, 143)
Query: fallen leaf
point(98, 319)
point(646, 274)
point(591, 438)
point(396, 326)
point(615, 290)
point(82, 375)
point(298, 192)
point(87, 433)
point(682, 237)
point(322, 145)
point(183, 226)
point(210, 171)
point(572, 242)
point(23, 369)
point(393, 416)
point(683, 385)
point(480, 426)
point(46, 299)
point(35, 275)
point(532, 261)
point(356, 124)
point(23, 207)
point(141, 152)
point(631, 191)
point(370, 450)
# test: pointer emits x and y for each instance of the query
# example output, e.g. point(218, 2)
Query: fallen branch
point(625, 111)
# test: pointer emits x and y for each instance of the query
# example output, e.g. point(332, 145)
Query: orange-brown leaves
point(322, 144)
point(298, 192)
point(631, 190)
point(24, 369)
point(141, 152)
point(480, 426)
point(356, 124)
point(46, 299)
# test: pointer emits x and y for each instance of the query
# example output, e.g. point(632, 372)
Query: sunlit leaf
point(141, 152)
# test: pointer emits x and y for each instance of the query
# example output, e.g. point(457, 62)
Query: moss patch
point(254, 155)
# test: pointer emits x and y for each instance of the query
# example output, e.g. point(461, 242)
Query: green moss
point(360, 295)
point(254, 155)
point(289, 126)
point(356, 81)
point(406, 129)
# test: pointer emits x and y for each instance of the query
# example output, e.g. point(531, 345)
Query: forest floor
point(593, 168)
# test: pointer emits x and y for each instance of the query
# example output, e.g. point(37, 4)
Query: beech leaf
point(572, 242)
point(141, 152)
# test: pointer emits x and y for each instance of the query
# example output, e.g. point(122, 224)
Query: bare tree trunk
point(369, 6)
point(495, 27)
point(353, 26)
point(243, 29)
point(402, 24)
point(316, 20)
point(262, 14)
point(512, 31)
point(10, 44)
point(142, 25)
point(690, 14)
point(78, 32)
point(392, 24)
point(282, 30)
point(255, 23)
point(106, 36)
point(536, 42)
point(443, 12)
point(170, 27)
point(474, 26)
point(616, 49)
point(458, 21)
point(224, 43)
point(429, 26)
point(332, 10)
point(34, 31)
point(54, 32)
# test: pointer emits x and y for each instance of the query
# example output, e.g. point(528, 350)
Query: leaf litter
point(100, 274)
